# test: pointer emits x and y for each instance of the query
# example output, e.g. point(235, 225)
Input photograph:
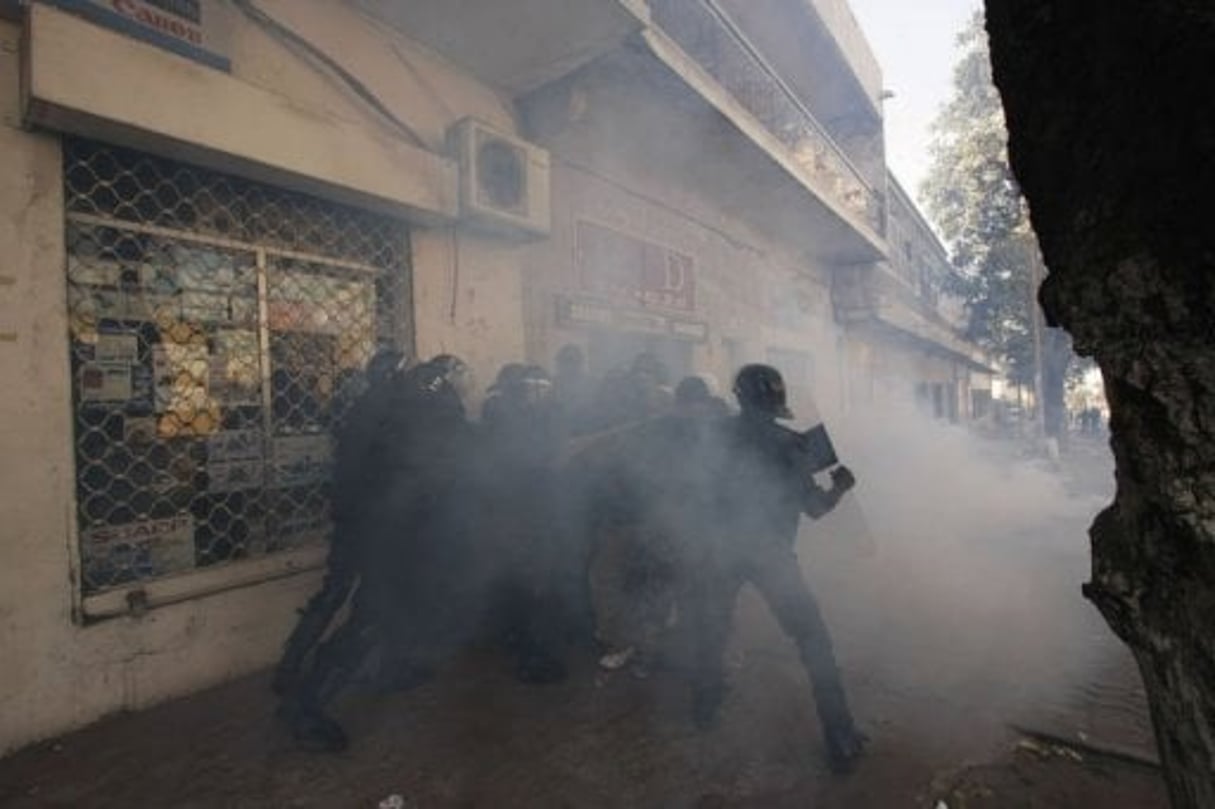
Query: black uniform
point(411, 604)
point(360, 470)
point(763, 488)
point(519, 534)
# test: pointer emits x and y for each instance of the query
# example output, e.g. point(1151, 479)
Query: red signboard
point(625, 268)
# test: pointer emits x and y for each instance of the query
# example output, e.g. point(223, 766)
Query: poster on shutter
point(207, 269)
point(90, 305)
point(205, 307)
point(142, 387)
point(180, 373)
point(116, 553)
point(300, 460)
point(318, 304)
point(116, 347)
point(181, 471)
point(105, 382)
point(303, 526)
point(234, 445)
point(140, 432)
point(233, 476)
point(236, 369)
point(95, 271)
point(243, 310)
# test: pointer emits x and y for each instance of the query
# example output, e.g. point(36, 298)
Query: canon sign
point(189, 28)
point(157, 20)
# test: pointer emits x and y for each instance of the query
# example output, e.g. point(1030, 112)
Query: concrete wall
point(56, 673)
point(751, 298)
point(885, 372)
point(627, 157)
point(467, 294)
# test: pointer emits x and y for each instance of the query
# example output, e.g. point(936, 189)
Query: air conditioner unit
point(504, 181)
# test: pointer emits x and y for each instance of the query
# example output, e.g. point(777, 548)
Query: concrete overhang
point(849, 40)
point(514, 45)
point(819, 50)
point(853, 239)
point(630, 116)
point(149, 99)
point(897, 320)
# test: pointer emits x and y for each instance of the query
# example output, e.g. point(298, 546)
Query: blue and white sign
point(195, 29)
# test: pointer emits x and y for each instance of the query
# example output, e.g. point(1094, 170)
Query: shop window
point(218, 332)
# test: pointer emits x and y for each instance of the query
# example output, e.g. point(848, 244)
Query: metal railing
point(708, 36)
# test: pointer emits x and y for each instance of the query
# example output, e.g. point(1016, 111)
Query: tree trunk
point(1111, 129)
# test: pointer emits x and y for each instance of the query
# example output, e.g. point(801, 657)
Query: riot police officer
point(410, 601)
point(764, 486)
point(516, 490)
point(357, 477)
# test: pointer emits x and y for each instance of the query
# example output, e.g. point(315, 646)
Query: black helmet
point(510, 377)
point(537, 384)
point(443, 374)
point(761, 389)
point(692, 390)
point(384, 365)
point(647, 364)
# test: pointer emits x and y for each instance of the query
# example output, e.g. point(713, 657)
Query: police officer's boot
point(845, 743)
point(302, 711)
point(844, 748)
point(311, 729)
point(536, 665)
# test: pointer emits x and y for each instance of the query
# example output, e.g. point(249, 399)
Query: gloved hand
point(842, 479)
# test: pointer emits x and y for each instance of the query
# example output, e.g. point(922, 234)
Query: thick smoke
point(951, 578)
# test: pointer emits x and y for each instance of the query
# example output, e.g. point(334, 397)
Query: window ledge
point(135, 598)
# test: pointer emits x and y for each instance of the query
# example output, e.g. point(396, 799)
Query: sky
point(914, 44)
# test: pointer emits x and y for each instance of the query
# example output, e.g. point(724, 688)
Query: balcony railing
point(706, 34)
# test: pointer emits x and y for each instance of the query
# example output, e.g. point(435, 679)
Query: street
point(957, 617)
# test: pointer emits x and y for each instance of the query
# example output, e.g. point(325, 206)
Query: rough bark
point(1112, 133)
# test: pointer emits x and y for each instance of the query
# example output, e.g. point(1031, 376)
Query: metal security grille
point(219, 328)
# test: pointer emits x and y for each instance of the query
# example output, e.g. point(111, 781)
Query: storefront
point(219, 328)
point(201, 256)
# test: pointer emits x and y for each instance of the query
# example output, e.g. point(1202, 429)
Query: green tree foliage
point(974, 198)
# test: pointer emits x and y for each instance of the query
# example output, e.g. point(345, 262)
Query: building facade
point(218, 210)
point(906, 331)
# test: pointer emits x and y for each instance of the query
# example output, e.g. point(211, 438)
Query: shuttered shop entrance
point(219, 329)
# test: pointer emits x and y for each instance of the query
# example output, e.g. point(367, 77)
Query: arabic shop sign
point(625, 268)
point(579, 312)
